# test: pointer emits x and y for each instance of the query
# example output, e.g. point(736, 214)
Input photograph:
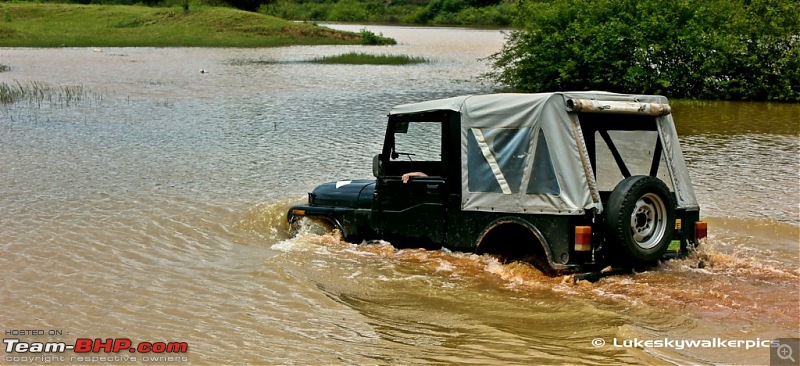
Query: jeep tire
point(640, 219)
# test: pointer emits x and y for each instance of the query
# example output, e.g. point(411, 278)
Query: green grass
point(355, 58)
point(38, 92)
point(70, 25)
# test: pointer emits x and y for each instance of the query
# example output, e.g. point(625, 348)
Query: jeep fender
point(315, 213)
point(499, 236)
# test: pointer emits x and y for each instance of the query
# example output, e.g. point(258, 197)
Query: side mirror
point(377, 166)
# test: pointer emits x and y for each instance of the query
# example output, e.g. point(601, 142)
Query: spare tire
point(640, 218)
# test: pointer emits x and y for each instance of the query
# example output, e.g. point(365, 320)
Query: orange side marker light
point(583, 238)
point(700, 230)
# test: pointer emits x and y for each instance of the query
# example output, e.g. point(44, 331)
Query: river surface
point(150, 205)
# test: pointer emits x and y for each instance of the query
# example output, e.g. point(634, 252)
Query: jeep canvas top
point(570, 181)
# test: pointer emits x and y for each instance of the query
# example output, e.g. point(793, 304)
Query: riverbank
point(70, 25)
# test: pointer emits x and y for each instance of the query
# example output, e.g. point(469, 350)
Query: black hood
point(344, 194)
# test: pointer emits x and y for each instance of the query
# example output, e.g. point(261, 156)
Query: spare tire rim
point(648, 220)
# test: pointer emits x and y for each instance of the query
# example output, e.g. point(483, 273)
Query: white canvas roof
point(525, 153)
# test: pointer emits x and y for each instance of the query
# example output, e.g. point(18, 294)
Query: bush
point(348, 11)
point(499, 15)
point(706, 49)
point(369, 38)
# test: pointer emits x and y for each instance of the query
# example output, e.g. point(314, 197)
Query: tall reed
point(360, 58)
point(38, 92)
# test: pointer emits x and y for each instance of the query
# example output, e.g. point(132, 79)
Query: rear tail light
point(583, 238)
point(700, 230)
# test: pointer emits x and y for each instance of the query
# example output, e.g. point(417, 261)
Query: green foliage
point(443, 12)
point(347, 11)
point(355, 58)
point(440, 11)
point(704, 49)
point(287, 9)
point(464, 12)
point(369, 38)
point(500, 15)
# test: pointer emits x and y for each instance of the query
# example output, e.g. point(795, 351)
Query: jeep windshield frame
point(421, 136)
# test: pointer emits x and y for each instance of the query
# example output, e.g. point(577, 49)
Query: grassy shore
point(69, 25)
point(356, 58)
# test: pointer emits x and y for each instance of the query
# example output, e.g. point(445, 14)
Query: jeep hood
point(343, 194)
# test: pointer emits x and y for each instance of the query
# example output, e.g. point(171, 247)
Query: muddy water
point(153, 209)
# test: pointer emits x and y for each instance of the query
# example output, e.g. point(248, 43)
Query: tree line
point(698, 49)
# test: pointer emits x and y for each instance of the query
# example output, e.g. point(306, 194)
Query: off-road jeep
point(571, 181)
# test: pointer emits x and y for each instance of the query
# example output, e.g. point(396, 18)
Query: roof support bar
point(615, 153)
point(603, 106)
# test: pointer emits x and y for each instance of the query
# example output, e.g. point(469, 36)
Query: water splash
point(267, 220)
point(710, 283)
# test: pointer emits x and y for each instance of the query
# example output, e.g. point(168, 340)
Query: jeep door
point(412, 212)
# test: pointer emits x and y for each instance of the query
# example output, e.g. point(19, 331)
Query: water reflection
point(735, 118)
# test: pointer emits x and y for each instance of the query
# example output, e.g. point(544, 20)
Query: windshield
point(418, 141)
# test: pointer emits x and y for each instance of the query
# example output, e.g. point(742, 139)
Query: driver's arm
point(408, 176)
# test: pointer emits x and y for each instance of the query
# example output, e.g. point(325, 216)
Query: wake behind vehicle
point(569, 181)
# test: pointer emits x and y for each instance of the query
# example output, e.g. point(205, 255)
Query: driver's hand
point(408, 176)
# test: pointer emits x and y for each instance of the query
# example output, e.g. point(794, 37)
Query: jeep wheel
point(640, 218)
point(311, 225)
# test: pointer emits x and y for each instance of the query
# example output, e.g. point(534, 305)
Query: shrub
point(709, 49)
point(371, 39)
point(348, 11)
